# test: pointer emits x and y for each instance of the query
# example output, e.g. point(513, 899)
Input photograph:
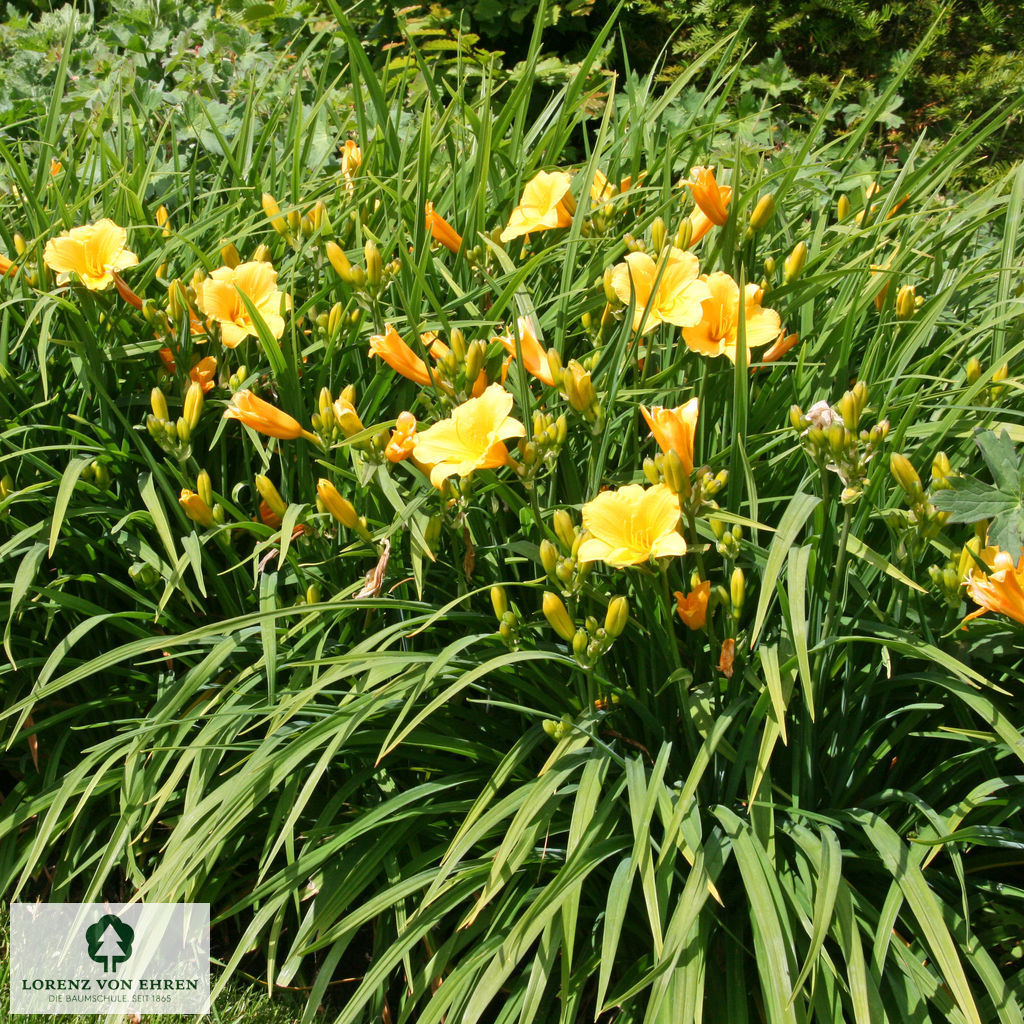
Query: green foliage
point(333, 739)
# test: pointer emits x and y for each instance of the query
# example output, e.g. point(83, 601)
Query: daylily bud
point(270, 494)
point(617, 616)
point(193, 404)
point(651, 471)
point(182, 429)
point(475, 355)
point(204, 488)
point(318, 218)
point(163, 220)
point(941, 470)
point(229, 255)
point(973, 370)
point(562, 524)
point(906, 302)
point(795, 262)
point(1001, 374)
point(548, 556)
point(177, 301)
point(557, 616)
point(675, 473)
point(762, 212)
point(334, 319)
point(684, 234)
point(273, 212)
point(906, 476)
point(261, 254)
point(499, 602)
point(20, 245)
point(737, 591)
point(610, 294)
point(158, 403)
point(797, 419)
point(341, 508)
point(658, 234)
point(843, 207)
point(374, 265)
point(554, 363)
point(196, 509)
point(456, 339)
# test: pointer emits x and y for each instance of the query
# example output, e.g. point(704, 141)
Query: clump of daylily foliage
point(478, 572)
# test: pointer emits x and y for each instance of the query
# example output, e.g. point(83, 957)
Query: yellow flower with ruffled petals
point(93, 252)
point(219, 297)
point(544, 205)
point(631, 525)
point(717, 332)
point(1001, 589)
point(471, 438)
point(673, 298)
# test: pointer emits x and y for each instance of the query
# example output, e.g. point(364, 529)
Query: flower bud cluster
point(835, 440)
point(923, 522)
point(295, 226)
point(373, 279)
point(541, 451)
point(559, 560)
point(200, 505)
point(697, 492)
point(591, 639)
point(990, 395)
point(508, 618)
point(175, 435)
point(337, 420)
point(727, 540)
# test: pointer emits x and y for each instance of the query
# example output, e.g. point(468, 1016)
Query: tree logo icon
point(110, 941)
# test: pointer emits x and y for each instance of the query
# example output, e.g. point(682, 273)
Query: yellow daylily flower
point(717, 331)
point(673, 429)
point(219, 297)
point(264, 417)
point(631, 525)
point(94, 252)
point(545, 204)
point(679, 294)
point(471, 438)
point(999, 590)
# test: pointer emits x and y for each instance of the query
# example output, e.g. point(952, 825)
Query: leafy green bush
point(412, 745)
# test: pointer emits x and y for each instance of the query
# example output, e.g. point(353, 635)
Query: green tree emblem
point(110, 941)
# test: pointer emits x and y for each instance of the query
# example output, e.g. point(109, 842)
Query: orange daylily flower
point(204, 373)
point(545, 204)
point(441, 231)
point(783, 343)
point(692, 608)
point(195, 508)
point(265, 418)
point(673, 429)
point(219, 298)
point(717, 332)
point(471, 438)
point(93, 252)
point(1001, 588)
point(679, 293)
point(710, 197)
point(403, 438)
point(268, 516)
point(631, 525)
point(397, 354)
point(535, 357)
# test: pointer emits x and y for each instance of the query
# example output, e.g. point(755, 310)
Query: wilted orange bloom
point(219, 296)
point(783, 343)
point(403, 438)
point(711, 198)
point(204, 372)
point(93, 252)
point(1001, 589)
point(535, 357)
point(676, 299)
point(545, 204)
point(727, 657)
point(693, 607)
point(397, 354)
point(717, 332)
point(673, 429)
point(471, 438)
point(441, 231)
point(264, 417)
point(195, 508)
point(631, 525)
point(6, 266)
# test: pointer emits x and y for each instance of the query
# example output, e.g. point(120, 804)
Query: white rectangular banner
point(110, 958)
